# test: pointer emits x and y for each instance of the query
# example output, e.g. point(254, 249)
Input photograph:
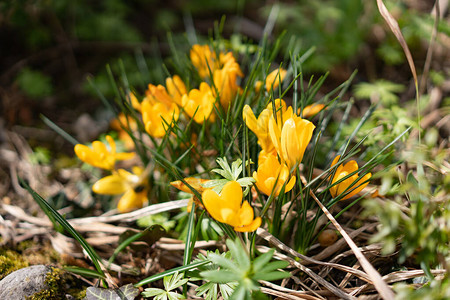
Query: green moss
point(10, 261)
point(57, 282)
point(55, 286)
point(22, 246)
point(77, 293)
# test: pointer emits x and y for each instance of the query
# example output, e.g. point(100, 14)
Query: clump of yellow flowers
point(283, 133)
point(134, 186)
point(283, 137)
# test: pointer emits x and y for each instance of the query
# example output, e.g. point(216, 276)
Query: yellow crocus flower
point(160, 106)
point(196, 183)
point(260, 126)
point(199, 103)
point(225, 80)
point(131, 97)
point(121, 123)
point(344, 186)
point(203, 60)
point(175, 88)
point(100, 156)
point(274, 78)
point(133, 186)
point(158, 117)
point(228, 208)
point(158, 94)
point(223, 71)
point(291, 139)
point(311, 110)
point(272, 175)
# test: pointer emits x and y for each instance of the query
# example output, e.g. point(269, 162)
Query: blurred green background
point(50, 47)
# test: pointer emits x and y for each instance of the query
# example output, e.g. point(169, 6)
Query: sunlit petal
point(110, 185)
point(250, 227)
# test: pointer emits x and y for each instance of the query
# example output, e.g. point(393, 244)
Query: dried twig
point(381, 286)
point(309, 272)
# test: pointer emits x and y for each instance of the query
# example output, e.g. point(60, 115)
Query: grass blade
point(170, 272)
point(84, 272)
point(59, 130)
point(53, 214)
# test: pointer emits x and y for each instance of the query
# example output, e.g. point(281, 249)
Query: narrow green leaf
point(262, 260)
point(274, 265)
point(272, 276)
point(59, 130)
point(52, 213)
point(171, 271)
point(222, 261)
point(84, 272)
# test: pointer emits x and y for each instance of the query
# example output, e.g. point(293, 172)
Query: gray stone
point(24, 282)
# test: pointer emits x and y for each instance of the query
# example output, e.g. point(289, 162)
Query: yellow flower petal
point(357, 183)
point(176, 88)
point(249, 118)
point(196, 183)
point(245, 214)
point(212, 203)
point(358, 188)
point(295, 137)
point(199, 103)
point(131, 201)
point(110, 185)
point(272, 175)
point(274, 79)
point(311, 110)
point(250, 227)
point(227, 208)
point(99, 156)
point(232, 194)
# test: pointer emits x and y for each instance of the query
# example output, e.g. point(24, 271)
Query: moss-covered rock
point(55, 286)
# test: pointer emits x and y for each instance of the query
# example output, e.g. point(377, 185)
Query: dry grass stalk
point(309, 272)
point(381, 286)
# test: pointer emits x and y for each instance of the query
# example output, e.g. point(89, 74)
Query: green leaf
point(381, 89)
point(56, 217)
point(236, 168)
point(246, 181)
point(59, 130)
point(274, 265)
point(209, 290)
point(84, 272)
point(223, 173)
point(220, 276)
point(173, 281)
point(223, 163)
point(271, 276)
point(151, 292)
point(126, 292)
point(222, 261)
point(239, 253)
point(169, 272)
point(262, 260)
